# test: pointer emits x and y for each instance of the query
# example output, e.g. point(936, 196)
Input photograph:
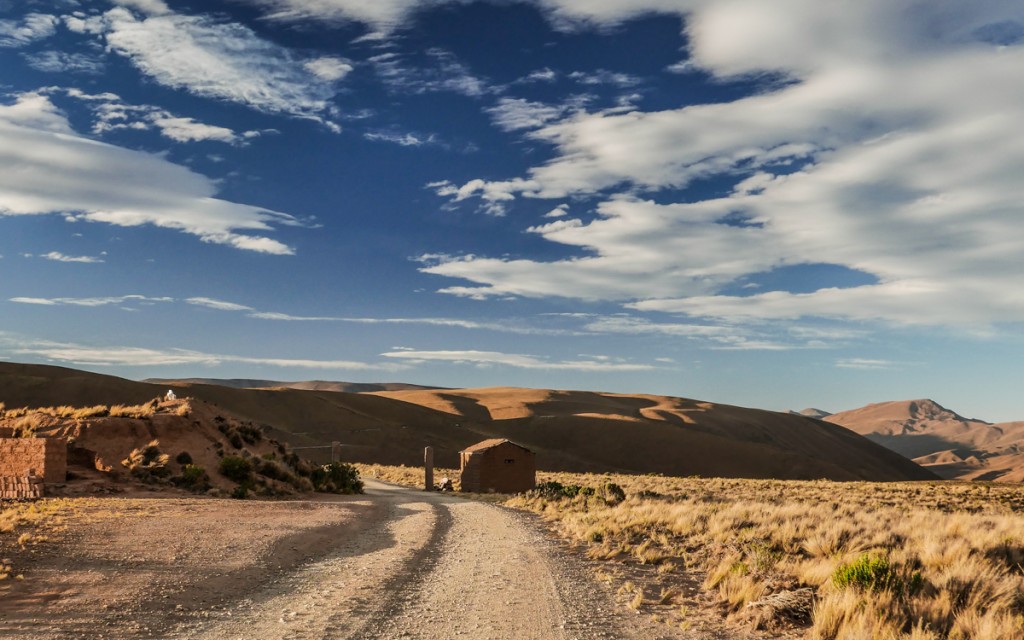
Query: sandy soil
point(394, 563)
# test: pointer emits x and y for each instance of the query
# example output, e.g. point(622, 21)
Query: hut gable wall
point(505, 468)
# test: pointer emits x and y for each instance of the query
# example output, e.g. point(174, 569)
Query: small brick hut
point(498, 465)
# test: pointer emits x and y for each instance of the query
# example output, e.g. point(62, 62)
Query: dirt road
point(394, 563)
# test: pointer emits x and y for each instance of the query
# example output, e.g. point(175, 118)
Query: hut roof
point(493, 442)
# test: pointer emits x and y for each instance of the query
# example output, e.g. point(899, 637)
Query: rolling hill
point(941, 440)
point(309, 385)
point(570, 430)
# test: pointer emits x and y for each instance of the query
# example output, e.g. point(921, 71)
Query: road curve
point(429, 566)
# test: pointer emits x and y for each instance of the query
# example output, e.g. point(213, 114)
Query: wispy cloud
point(217, 59)
point(145, 357)
point(446, 73)
point(34, 26)
point(407, 139)
point(865, 364)
point(63, 62)
point(91, 302)
point(58, 171)
point(502, 327)
point(57, 256)
point(518, 361)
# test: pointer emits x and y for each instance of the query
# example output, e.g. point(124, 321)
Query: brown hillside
point(309, 385)
point(570, 430)
point(941, 440)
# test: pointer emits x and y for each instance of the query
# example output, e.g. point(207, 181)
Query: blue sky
point(777, 205)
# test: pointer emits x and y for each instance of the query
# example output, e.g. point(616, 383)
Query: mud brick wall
point(505, 468)
point(21, 488)
point(46, 458)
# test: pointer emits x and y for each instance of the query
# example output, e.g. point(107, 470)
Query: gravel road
point(394, 563)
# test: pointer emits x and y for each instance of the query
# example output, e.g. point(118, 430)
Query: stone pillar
point(428, 464)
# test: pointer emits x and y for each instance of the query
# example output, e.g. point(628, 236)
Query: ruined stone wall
point(45, 458)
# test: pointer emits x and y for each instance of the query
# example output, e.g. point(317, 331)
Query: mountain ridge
point(570, 430)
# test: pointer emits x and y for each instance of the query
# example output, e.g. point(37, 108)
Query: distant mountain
point(569, 430)
point(811, 412)
point(942, 440)
point(309, 385)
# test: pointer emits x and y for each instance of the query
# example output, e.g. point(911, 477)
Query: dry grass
point(829, 560)
point(846, 560)
point(145, 410)
point(408, 476)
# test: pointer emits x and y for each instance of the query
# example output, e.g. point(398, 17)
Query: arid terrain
point(774, 532)
point(393, 563)
point(569, 430)
point(941, 440)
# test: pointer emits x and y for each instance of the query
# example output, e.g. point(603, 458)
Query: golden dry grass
point(144, 410)
point(927, 560)
point(408, 476)
point(948, 557)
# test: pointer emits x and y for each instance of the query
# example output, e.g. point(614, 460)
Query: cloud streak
point(125, 356)
point(518, 361)
point(61, 172)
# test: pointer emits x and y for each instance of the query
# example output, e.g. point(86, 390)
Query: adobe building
point(499, 466)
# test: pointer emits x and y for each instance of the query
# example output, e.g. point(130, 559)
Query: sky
point(776, 205)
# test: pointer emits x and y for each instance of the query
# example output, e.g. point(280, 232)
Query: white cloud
point(62, 172)
point(604, 76)
point(61, 62)
point(383, 15)
point(447, 73)
point(145, 357)
point(220, 60)
point(188, 130)
point(540, 75)
point(329, 68)
point(560, 211)
point(57, 256)
point(488, 358)
point(407, 139)
point(34, 26)
point(512, 114)
point(503, 327)
point(220, 305)
point(91, 302)
point(886, 152)
point(864, 364)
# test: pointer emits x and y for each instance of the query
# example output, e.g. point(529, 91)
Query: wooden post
point(428, 463)
point(335, 451)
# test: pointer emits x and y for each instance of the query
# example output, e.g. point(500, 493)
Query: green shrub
point(612, 493)
point(193, 477)
point(235, 468)
point(241, 492)
point(336, 477)
point(872, 572)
